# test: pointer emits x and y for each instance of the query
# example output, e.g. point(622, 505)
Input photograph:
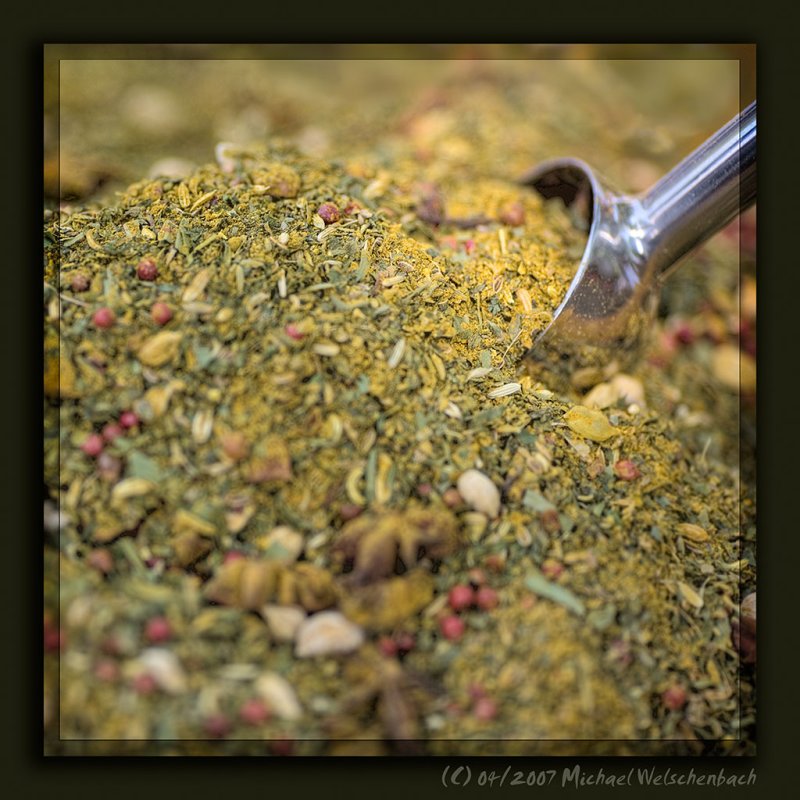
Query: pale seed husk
point(479, 492)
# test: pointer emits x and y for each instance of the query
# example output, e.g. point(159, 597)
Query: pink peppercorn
point(552, 568)
point(53, 639)
point(477, 577)
point(79, 283)
point(485, 709)
point(452, 627)
point(112, 431)
point(550, 521)
point(103, 318)
point(93, 445)
point(106, 670)
point(147, 270)
point(235, 445)
point(101, 560)
point(495, 563)
point(254, 711)
point(217, 726)
point(424, 489)
point(476, 690)
point(626, 470)
point(486, 598)
point(161, 313)
point(452, 497)
point(158, 630)
point(293, 332)
point(512, 214)
point(232, 555)
point(461, 597)
point(684, 333)
point(144, 683)
point(329, 213)
point(405, 641)
point(129, 419)
point(349, 511)
point(619, 652)
point(388, 646)
point(674, 698)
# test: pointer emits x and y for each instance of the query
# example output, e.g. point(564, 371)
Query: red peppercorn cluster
point(95, 442)
point(463, 597)
point(397, 645)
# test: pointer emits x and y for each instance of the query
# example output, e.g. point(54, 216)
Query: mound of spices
point(314, 346)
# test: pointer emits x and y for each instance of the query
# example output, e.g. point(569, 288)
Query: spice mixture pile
point(307, 497)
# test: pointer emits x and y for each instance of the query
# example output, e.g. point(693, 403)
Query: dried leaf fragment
point(191, 547)
point(538, 584)
point(185, 522)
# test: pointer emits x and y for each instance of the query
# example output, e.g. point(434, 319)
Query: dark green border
point(778, 419)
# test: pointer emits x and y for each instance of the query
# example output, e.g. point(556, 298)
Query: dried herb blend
point(287, 430)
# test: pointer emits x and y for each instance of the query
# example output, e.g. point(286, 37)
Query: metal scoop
point(635, 240)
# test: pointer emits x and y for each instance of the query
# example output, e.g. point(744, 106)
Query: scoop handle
point(703, 193)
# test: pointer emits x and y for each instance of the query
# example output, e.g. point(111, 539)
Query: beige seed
point(279, 695)
point(478, 373)
point(327, 633)
point(688, 594)
point(283, 544)
point(692, 532)
point(184, 198)
point(589, 423)
point(479, 492)
point(396, 356)
point(453, 411)
point(505, 390)
point(326, 349)
point(283, 621)
point(202, 423)
point(160, 349)
point(197, 286)
point(629, 389)
point(165, 668)
point(131, 487)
